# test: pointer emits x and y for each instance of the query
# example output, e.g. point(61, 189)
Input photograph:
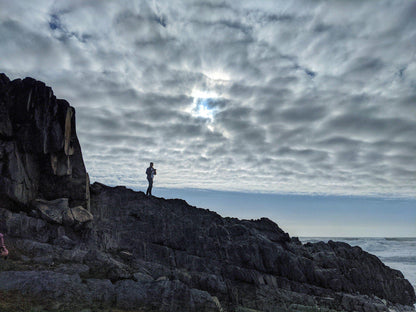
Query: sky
point(264, 99)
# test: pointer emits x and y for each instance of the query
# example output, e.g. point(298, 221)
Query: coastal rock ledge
point(80, 247)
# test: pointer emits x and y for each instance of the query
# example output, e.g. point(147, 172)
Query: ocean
point(397, 253)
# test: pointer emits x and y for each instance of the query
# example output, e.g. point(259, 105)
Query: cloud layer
point(300, 96)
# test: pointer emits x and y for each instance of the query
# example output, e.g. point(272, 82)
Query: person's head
point(151, 164)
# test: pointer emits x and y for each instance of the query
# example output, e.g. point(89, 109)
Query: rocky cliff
point(74, 246)
point(40, 156)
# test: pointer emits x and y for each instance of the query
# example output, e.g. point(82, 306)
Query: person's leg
point(151, 186)
point(149, 189)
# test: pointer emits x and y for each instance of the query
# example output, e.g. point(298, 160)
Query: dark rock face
point(40, 156)
point(131, 252)
point(165, 255)
point(241, 262)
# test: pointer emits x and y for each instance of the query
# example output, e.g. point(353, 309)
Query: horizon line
point(313, 194)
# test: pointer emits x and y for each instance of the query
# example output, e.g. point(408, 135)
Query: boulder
point(53, 210)
point(80, 215)
point(57, 211)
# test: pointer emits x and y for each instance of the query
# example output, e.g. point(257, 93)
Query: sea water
point(397, 253)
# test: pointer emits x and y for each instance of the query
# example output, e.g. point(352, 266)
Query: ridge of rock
point(81, 246)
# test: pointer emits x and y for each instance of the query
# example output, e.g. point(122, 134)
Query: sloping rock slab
point(57, 211)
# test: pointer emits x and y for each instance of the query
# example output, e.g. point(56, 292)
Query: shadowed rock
point(40, 156)
point(240, 261)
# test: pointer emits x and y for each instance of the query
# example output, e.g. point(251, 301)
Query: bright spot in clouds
point(202, 108)
point(217, 75)
point(202, 104)
point(259, 96)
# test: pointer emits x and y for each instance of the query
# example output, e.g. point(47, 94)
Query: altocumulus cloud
point(297, 96)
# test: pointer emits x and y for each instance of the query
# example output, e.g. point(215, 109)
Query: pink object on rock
point(3, 250)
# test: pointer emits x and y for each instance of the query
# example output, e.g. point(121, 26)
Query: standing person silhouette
point(151, 172)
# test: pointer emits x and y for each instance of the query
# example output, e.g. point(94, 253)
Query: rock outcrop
point(40, 156)
point(128, 251)
point(246, 263)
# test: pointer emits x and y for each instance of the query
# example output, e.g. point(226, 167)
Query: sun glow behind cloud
point(270, 97)
point(202, 109)
point(202, 104)
point(263, 96)
point(217, 75)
